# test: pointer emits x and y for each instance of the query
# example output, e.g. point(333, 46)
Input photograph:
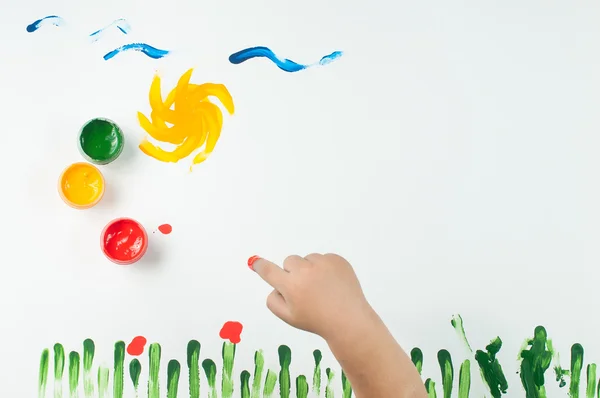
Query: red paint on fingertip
point(136, 347)
point(232, 331)
point(165, 229)
point(251, 262)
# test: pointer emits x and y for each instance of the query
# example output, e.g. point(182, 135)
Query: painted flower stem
point(301, 387)
point(318, 356)
point(173, 373)
point(43, 373)
point(103, 378)
point(193, 362)
point(154, 354)
point(430, 388)
point(346, 387)
point(576, 366)
point(74, 367)
point(285, 359)
point(445, 361)
point(259, 363)
point(59, 368)
point(416, 356)
point(119, 371)
point(270, 382)
point(89, 349)
point(590, 390)
point(228, 353)
point(210, 370)
point(329, 387)
point(135, 370)
point(245, 384)
point(464, 379)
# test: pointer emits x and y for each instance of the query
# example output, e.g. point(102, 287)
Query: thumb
point(276, 303)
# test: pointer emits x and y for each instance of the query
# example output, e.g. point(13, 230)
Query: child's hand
point(318, 293)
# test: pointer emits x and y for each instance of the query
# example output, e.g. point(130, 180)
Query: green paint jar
point(101, 141)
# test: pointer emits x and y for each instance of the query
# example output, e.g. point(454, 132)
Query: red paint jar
point(124, 241)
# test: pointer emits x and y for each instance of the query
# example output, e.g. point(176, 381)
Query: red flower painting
point(231, 331)
point(136, 347)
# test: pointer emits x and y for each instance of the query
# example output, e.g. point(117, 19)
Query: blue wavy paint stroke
point(150, 51)
point(49, 20)
point(120, 23)
point(282, 63)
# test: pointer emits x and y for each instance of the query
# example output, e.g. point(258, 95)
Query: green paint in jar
point(101, 141)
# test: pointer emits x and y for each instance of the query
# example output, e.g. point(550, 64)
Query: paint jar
point(124, 241)
point(81, 185)
point(100, 141)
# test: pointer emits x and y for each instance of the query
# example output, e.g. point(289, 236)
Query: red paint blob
point(136, 347)
point(231, 331)
point(251, 262)
point(165, 229)
point(124, 241)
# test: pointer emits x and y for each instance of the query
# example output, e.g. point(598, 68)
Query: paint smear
point(43, 374)
point(120, 24)
point(144, 48)
point(193, 362)
point(245, 382)
point(535, 361)
point(285, 382)
point(284, 64)
point(59, 367)
point(135, 370)
point(302, 387)
point(228, 360)
point(231, 331)
point(54, 20)
point(346, 387)
point(103, 378)
point(74, 366)
point(136, 347)
point(165, 229)
point(119, 371)
point(329, 387)
point(430, 388)
point(270, 382)
point(490, 368)
point(173, 372)
point(457, 324)
point(259, 363)
point(195, 121)
point(416, 356)
point(210, 370)
point(89, 350)
point(576, 365)
point(590, 389)
point(154, 352)
point(445, 361)
point(318, 356)
point(464, 379)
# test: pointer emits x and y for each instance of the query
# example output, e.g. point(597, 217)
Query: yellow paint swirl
point(186, 119)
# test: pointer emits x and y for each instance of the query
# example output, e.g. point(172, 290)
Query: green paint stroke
point(346, 387)
point(119, 369)
point(318, 356)
point(154, 352)
point(535, 361)
point(285, 382)
point(103, 377)
point(59, 368)
point(430, 388)
point(43, 375)
point(193, 363)
point(228, 353)
point(210, 370)
point(464, 379)
point(259, 363)
point(135, 370)
point(245, 384)
point(301, 387)
point(445, 361)
point(74, 365)
point(416, 356)
point(329, 386)
point(576, 365)
point(173, 372)
point(591, 381)
point(270, 382)
point(89, 349)
point(457, 324)
point(490, 368)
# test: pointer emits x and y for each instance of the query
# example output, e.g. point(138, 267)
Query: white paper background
point(450, 155)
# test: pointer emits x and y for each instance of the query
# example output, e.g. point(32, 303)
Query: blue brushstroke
point(49, 20)
point(120, 23)
point(142, 47)
point(284, 64)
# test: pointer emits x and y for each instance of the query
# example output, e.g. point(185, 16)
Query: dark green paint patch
point(210, 371)
point(318, 357)
point(576, 366)
point(43, 373)
point(173, 373)
point(59, 361)
point(535, 361)
point(301, 387)
point(89, 350)
point(74, 367)
point(490, 368)
point(346, 387)
point(430, 388)
point(245, 384)
point(193, 362)
point(101, 141)
point(329, 387)
point(154, 354)
point(285, 382)
point(445, 361)
point(119, 369)
point(416, 356)
point(135, 370)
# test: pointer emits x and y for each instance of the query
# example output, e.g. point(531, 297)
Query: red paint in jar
point(124, 241)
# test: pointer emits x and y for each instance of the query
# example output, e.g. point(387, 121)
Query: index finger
point(269, 272)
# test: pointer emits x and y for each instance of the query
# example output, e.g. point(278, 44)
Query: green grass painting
point(538, 367)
